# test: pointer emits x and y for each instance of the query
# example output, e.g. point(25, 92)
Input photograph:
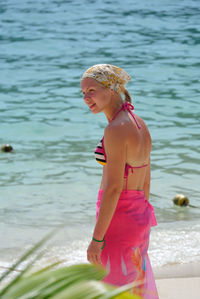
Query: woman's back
point(137, 140)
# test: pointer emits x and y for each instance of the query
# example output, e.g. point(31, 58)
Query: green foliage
point(81, 281)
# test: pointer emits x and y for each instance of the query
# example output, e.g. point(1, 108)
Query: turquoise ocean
point(52, 177)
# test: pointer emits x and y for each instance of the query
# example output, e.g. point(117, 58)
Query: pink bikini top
point(100, 154)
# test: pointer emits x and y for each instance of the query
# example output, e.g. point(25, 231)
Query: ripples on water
point(44, 48)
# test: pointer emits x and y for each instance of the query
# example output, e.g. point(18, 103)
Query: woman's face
point(96, 96)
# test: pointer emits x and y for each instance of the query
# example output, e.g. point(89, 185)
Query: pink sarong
point(126, 243)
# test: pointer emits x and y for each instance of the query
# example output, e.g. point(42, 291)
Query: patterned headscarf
point(109, 76)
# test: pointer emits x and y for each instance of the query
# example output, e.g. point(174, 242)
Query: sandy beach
point(179, 288)
point(178, 281)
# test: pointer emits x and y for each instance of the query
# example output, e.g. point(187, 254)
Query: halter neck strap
point(127, 106)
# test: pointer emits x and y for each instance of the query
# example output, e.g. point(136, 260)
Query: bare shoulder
point(141, 122)
point(115, 142)
point(140, 119)
point(145, 133)
point(115, 132)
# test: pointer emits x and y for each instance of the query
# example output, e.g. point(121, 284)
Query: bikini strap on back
point(128, 106)
point(126, 172)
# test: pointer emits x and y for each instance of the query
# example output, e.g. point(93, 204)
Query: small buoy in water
point(6, 148)
point(181, 200)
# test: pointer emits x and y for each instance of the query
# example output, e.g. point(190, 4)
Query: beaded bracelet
point(100, 242)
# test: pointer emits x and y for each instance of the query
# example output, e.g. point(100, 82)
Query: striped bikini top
point(100, 153)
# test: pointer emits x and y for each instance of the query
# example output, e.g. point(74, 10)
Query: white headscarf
point(109, 76)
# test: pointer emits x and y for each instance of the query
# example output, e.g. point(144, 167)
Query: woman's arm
point(115, 147)
point(116, 156)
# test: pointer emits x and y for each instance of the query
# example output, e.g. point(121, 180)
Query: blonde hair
point(127, 96)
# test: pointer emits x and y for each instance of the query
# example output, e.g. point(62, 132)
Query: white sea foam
point(176, 242)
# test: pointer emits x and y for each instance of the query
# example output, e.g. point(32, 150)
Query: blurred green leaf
point(52, 278)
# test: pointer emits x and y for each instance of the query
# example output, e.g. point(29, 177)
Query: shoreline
point(176, 270)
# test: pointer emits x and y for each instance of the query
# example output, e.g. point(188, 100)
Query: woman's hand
point(94, 252)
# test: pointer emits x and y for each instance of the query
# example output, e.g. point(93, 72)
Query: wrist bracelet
point(99, 241)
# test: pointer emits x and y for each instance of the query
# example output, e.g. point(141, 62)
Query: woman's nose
point(86, 98)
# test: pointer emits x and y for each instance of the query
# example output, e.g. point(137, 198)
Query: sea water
point(51, 177)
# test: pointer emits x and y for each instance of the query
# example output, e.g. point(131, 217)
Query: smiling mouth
point(91, 106)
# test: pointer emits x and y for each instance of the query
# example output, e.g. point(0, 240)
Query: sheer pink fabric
point(126, 243)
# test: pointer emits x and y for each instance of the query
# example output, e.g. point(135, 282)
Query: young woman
point(124, 215)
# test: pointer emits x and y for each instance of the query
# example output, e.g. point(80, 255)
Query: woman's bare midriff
point(135, 179)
